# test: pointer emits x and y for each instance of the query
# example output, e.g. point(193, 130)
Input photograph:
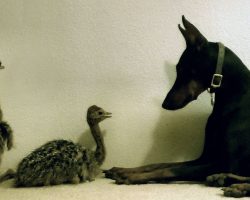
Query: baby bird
point(6, 133)
point(6, 136)
point(62, 161)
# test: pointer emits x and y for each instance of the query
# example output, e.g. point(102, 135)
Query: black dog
point(207, 65)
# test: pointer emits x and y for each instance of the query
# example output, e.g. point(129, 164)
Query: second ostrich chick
point(62, 161)
point(6, 135)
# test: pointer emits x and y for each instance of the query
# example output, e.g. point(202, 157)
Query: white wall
point(62, 56)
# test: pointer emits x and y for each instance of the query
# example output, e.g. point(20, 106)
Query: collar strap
point(217, 77)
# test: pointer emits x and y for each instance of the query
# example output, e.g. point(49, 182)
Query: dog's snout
point(165, 105)
point(170, 106)
point(169, 102)
point(177, 98)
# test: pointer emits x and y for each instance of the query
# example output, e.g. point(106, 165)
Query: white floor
point(105, 189)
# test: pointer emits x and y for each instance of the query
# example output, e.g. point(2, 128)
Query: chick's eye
point(100, 113)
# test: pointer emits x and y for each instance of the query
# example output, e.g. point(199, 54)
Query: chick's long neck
point(100, 152)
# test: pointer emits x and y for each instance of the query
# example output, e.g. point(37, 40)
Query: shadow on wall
point(178, 135)
point(86, 139)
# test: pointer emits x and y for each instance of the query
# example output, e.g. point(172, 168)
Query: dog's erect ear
point(192, 35)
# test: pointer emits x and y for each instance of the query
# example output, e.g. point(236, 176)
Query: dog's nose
point(165, 105)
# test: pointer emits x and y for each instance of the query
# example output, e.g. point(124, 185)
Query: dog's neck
point(236, 80)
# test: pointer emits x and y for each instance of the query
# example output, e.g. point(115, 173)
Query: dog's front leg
point(179, 173)
point(117, 171)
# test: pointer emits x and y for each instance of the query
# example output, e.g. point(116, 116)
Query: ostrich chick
point(62, 161)
point(6, 136)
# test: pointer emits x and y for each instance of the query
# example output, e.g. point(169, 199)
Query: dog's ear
point(192, 35)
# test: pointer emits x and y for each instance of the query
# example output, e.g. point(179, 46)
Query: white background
point(62, 56)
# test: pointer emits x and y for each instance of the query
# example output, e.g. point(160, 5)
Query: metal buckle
point(216, 80)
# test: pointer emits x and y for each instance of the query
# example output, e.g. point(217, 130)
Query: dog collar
point(217, 76)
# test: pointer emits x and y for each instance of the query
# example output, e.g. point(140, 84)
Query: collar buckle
point(216, 80)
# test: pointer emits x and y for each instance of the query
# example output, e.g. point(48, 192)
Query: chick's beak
point(107, 114)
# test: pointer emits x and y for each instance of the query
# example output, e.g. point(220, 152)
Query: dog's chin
point(174, 106)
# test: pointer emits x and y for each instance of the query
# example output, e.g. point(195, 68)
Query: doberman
point(225, 160)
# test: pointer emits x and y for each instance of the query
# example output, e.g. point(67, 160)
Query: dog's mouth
point(179, 97)
point(170, 104)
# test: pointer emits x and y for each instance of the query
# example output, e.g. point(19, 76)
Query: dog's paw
point(122, 180)
point(129, 179)
point(112, 173)
point(237, 190)
point(124, 176)
point(115, 172)
point(108, 173)
point(219, 180)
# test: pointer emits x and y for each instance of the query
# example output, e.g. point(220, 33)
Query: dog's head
point(194, 69)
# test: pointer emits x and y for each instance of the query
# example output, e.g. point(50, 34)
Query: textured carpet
point(105, 189)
